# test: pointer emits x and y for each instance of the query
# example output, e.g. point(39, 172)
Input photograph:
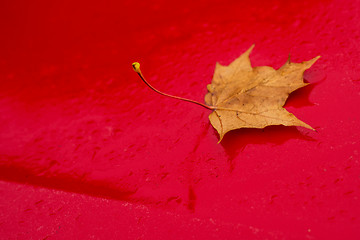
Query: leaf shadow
point(301, 97)
point(236, 141)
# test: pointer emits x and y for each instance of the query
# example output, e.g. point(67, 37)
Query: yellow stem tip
point(136, 66)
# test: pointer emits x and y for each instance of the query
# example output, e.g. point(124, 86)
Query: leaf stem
point(136, 67)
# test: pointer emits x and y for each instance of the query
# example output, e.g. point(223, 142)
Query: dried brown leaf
point(247, 97)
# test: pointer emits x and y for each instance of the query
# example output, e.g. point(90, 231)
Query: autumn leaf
point(245, 97)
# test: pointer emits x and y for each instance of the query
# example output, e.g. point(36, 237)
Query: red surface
point(88, 151)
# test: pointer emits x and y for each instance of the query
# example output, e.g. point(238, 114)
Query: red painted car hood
point(87, 150)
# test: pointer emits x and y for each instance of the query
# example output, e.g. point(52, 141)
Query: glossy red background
point(88, 151)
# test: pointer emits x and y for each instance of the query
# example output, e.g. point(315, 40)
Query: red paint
point(74, 117)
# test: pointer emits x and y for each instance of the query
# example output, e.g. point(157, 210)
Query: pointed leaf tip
point(250, 49)
point(315, 59)
point(309, 63)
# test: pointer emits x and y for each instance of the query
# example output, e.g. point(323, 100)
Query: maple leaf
point(247, 97)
